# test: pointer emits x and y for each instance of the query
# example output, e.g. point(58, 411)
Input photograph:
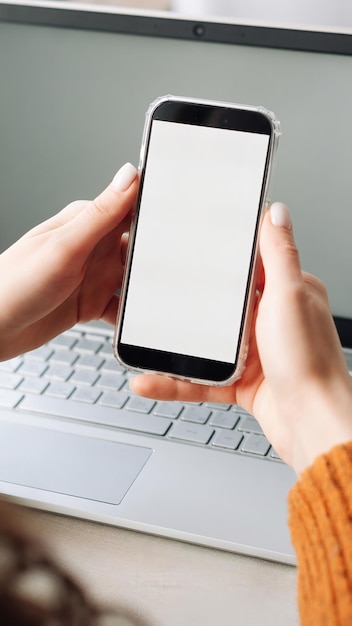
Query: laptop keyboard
point(76, 377)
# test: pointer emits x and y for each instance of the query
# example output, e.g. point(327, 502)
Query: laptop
point(76, 81)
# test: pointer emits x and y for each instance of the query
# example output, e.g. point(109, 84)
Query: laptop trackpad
point(73, 465)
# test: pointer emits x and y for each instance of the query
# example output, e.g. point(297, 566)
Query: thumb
point(103, 214)
point(277, 247)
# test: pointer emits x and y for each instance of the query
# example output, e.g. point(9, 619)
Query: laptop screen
point(76, 82)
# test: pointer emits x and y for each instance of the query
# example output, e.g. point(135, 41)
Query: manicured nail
point(124, 177)
point(279, 215)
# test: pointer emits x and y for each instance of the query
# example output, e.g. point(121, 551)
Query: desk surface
point(169, 582)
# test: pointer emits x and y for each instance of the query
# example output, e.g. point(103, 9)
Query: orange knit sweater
point(320, 520)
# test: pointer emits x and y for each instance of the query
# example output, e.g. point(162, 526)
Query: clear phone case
point(273, 145)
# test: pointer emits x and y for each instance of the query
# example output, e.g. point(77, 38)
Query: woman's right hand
point(296, 381)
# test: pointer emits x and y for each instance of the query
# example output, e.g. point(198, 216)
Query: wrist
point(325, 422)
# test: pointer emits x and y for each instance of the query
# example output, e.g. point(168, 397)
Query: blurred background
point(333, 13)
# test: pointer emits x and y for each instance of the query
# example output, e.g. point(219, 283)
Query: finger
point(110, 312)
point(260, 277)
point(58, 220)
point(124, 246)
point(103, 214)
point(105, 201)
point(277, 247)
point(165, 388)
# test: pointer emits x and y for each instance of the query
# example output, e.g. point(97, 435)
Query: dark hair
point(36, 591)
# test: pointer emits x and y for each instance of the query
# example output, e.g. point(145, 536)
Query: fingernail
point(279, 215)
point(124, 177)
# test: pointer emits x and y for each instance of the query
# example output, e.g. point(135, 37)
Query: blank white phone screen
point(194, 240)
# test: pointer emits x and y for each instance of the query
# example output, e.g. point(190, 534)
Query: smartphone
point(190, 276)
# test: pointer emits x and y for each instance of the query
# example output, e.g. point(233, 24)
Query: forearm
point(320, 521)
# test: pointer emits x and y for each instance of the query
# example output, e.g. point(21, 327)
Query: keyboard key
point(63, 341)
point(168, 409)
point(106, 350)
point(229, 440)
point(113, 398)
point(86, 394)
point(10, 380)
point(195, 433)
point(196, 414)
point(42, 353)
point(90, 361)
point(238, 409)
point(33, 385)
point(88, 345)
point(274, 455)
point(83, 376)
point(141, 405)
point(110, 381)
point(125, 387)
point(95, 413)
point(33, 368)
point(250, 425)
point(67, 357)
point(256, 444)
point(59, 389)
point(216, 406)
point(11, 365)
point(111, 365)
point(10, 398)
point(58, 372)
point(96, 336)
point(223, 419)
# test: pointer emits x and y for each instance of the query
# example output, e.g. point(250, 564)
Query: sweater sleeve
point(320, 520)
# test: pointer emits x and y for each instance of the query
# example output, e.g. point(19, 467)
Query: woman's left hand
point(67, 269)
